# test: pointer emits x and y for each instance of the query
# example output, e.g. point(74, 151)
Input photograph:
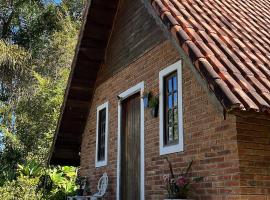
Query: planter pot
point(80, 192)
point(154, 111)
point(146, 102)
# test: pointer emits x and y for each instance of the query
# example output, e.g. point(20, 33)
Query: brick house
point(209, 64)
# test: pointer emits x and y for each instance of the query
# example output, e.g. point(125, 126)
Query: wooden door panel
point(130, 149)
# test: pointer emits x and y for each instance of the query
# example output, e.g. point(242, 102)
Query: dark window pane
point(101, 134)
point(171, 134)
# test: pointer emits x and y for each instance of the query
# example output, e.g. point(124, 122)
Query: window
point(102, 135)
point(171, 124)
point(171, 109)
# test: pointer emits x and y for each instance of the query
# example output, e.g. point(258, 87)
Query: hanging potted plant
point(154, 104)
point(146, 97)
point(178, 186)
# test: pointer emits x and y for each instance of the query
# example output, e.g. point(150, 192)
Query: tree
point(37, 41)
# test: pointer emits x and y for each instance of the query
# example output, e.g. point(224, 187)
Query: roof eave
point(82, 78)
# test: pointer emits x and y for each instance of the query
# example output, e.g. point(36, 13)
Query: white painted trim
point(180, 146)
point(137, 88)
point(118, 150)
point(99, 108)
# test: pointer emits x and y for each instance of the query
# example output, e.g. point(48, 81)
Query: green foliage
point(12, 55)
point(13, 69)
point(63, 179)
point(37, 41)
point(58, 183)
point(36, 182)
point(37, 115)
point(31, 169)
point(11, 153)
point(24, 188)
point(154, 101)
point(7, 174)
point(74, 8)
point(34, 68)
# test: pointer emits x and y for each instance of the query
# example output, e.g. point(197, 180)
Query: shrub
point(31, 181)
point(24, 188)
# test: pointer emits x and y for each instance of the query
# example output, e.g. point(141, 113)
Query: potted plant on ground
point(178, 186)
point(81, 182)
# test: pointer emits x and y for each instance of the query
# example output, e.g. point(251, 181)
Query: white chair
point(102, 187)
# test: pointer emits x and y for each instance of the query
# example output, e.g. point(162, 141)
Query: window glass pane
point(170, 117)
point(170, 85)
point(170, 102)
point(175, 102)
point(170, 133)
point(175, 83)
point(175, 115)
point(176, 135)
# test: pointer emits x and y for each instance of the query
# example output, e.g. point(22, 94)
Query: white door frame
point(133, 90)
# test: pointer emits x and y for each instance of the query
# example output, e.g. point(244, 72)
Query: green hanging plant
point(154, 105)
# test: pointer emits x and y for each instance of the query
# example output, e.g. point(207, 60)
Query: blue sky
point(57, 1)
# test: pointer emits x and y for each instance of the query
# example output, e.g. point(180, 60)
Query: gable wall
point(209, 139)
point(134, 33)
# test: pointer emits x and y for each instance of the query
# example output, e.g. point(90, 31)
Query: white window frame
point(99, 108)
point(179, 147)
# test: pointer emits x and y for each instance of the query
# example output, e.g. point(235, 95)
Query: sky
point(57, 1)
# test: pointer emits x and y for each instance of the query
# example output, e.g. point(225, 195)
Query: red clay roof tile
point(229, 43)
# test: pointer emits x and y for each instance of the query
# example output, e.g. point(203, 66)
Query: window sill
point(171, 149)
point(101, 164)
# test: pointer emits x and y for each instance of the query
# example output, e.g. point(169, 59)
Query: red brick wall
point(209, 140)
point(134, 33)
point(253, 135)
